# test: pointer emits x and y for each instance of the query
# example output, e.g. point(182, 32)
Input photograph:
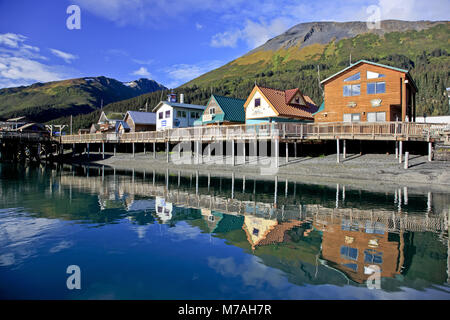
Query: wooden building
point(140, 121)
point(368, 92)
point(223, 111)
point(272, 105)
point(353, 249)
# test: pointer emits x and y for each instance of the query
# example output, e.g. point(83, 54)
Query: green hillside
point(43, 102)
point(425, 53)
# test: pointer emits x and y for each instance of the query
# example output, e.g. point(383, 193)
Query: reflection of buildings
point(163, 210)
point(262, 231)
point(353, 247)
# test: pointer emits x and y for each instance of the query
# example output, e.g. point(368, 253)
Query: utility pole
point(70, 124)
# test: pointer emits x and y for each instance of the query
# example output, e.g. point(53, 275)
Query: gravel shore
point(372, 172)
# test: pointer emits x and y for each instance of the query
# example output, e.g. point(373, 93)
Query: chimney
point(181, 98)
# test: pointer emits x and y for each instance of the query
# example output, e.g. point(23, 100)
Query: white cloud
point(144, 62)
point(414, 9)
point(181, 73)
point(226, 39)
point(11, 40)
point(198, 26)
point(67, 57)
point(142, 71)
point(19, 63)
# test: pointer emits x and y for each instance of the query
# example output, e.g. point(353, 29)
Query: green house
point(222, 110)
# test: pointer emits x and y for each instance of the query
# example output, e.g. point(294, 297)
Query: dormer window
point(212, 110)
point(258, 102)
point(355, 77)
point(297, 100)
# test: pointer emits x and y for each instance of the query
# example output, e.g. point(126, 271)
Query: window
point(257, 102)
point(179, 114)
point(376, 116)
point(374, 75)
point(376, 87)
point(352, 117)
point(212, 110)
point(349, 226)
point(352, 90)
point(168, 114)
point(160, 115)
point(183, 114)
point(373, 256)
point(255, 232)
point(376, 227)
point(349, 253)
point(355, 77)
point(195, 115)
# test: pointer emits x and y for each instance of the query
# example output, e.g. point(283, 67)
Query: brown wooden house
point(368, 92)
point(353, 249)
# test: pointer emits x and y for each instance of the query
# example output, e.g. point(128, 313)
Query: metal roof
point(142, 117)
point(123, 123)
point(233, 110)
point(179, 105)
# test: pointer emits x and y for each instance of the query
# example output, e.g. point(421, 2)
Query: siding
point(336, 105)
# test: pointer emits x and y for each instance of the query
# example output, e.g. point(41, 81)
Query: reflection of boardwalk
point(392, 221)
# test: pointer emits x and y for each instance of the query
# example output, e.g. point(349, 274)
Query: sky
point(170, 41)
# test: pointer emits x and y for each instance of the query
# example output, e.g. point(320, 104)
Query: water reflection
point(311, 235)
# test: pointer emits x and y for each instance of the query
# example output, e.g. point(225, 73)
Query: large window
point(352, 90)
point(376, 116)
point(374, 75)
point(355, 77)
point(352, 117)
point(373, 256)
point(376, 87)
point(349, 253)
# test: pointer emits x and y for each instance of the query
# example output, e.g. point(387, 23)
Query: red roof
point(279, 100)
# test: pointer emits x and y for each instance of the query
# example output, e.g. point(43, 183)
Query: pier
point(268, 136)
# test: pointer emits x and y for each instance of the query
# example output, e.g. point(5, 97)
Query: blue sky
point(171, 41)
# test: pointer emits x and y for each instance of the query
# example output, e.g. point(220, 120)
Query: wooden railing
point(367, 130)
point(24, 136)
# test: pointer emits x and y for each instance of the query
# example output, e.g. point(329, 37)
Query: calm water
point(177, 235)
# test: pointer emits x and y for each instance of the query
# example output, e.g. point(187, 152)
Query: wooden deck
point(386, 131)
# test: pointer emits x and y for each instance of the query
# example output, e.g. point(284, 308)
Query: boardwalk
point(387, 131)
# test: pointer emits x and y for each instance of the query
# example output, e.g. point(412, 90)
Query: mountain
point(292, 60)
point(44, 102)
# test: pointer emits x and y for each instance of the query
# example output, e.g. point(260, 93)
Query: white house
point(171, 114)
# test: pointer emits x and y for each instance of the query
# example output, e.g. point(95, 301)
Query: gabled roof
point(124, 125)
point(142, 117)
point(374, 64)
point(278, 98)
point(233, 108)
point(179, 105)
point(115, 116)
